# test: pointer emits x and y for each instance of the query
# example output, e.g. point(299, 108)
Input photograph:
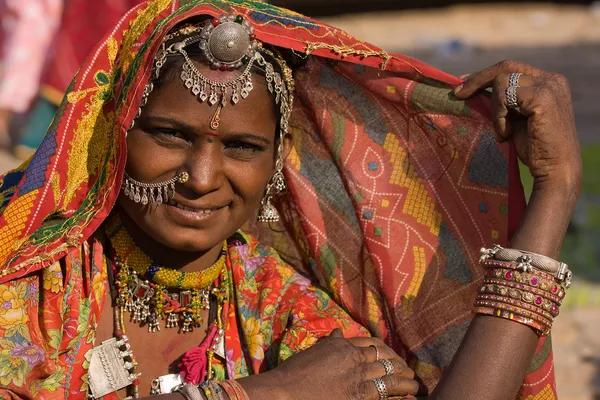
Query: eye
point(243, 146)
point(168, 134)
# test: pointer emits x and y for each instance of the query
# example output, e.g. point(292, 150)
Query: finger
point(384, 351)
point(374, 347)
point(366, 341)
point(398, 386)
point(336, 333)
point(530, 98)
point(500, 105)
point(465, 76)
point(394, 385)
point(485, 78)
point(377, 370)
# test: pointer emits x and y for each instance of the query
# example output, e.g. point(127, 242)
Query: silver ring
point(511, 90)
point(381, 388)
point(389, 367)
point(376, 352)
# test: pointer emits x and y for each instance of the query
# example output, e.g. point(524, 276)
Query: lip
point(192, 214)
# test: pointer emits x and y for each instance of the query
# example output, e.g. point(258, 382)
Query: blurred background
point(459, 37)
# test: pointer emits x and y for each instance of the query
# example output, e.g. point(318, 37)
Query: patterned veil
point(393, 184)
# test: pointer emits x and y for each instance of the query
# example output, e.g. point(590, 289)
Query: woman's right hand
point(337, 369)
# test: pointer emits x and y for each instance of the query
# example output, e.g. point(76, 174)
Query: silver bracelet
point(527, 260)
point(190, 392)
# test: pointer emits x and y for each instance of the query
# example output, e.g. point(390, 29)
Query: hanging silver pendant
point(108, 371)
point(166, 384)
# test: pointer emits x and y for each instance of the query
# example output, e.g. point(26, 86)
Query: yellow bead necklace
point(131, 255)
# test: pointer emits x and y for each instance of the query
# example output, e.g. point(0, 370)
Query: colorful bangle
point(525, 279)
point(519, 303)
point(520, 287)
point(515, 309)
point(520, 295)
point(234, 390)
point(514, 266)
point(541, 329)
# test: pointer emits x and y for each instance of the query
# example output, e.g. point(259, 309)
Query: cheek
point(249, 180)
point(147, 160)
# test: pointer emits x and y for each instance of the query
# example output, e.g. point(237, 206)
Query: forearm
point(495, 353)
point(263, 386)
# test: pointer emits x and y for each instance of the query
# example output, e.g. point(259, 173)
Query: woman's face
point(228, 168)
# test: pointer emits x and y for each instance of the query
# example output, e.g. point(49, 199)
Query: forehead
point(255, 114)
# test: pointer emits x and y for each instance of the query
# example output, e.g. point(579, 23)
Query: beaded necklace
point(143, 285)
point(150, 302)
point(136, 259)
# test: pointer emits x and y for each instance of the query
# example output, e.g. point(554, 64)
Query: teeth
point(196, 210)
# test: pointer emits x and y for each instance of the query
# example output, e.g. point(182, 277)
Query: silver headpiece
point(228, 43)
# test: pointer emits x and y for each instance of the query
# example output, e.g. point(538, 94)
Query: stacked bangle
point(213, 390)
point(511, 316)
point(528, 289)
point(234, 390)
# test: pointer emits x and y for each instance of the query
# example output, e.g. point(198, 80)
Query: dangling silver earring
point(144, 193)
point(267, 211)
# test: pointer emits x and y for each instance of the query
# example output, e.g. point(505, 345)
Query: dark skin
point(546, 141)
point(229, 170)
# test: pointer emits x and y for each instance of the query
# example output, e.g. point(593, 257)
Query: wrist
point(264, 386)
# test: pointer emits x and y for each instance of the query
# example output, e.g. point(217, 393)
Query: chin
point(181, 234)
point(188, 239)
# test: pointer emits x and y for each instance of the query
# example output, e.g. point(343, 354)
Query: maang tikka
point(228, 43)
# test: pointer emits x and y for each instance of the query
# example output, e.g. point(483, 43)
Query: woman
point(219, 159)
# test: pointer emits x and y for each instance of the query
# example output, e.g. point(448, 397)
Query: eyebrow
point(173, 122)
point(246, 136)
point(185, 127)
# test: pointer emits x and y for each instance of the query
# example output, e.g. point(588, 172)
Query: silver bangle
point(190, 392)
point(528, 260)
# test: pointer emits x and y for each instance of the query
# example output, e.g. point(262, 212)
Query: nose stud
point(183, 177)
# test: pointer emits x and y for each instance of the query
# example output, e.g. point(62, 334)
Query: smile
point(194, 210)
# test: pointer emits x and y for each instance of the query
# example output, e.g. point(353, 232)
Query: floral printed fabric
point(48, 319)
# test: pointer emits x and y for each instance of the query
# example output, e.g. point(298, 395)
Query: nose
point(205, 167)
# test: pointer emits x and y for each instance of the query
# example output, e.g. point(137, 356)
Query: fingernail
point(458, 88)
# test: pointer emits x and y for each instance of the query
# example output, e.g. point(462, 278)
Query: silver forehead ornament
point(228, 43)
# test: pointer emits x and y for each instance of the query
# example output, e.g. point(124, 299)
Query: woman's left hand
point(543, 128)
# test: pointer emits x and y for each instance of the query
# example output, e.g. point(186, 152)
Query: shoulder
point(260, 266)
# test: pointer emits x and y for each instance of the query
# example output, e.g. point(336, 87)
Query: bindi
point(211, 136)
